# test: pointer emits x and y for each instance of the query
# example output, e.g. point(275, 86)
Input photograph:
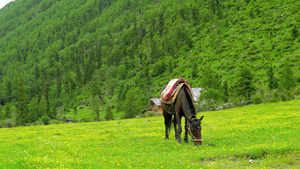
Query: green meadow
point(255, 136)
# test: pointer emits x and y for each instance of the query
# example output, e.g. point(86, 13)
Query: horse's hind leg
point(175, 127)
point(168, 121)
point(186, 139)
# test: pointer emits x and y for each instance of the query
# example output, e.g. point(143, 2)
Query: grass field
point(266, 134)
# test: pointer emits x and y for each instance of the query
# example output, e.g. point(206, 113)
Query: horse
point(183, 106)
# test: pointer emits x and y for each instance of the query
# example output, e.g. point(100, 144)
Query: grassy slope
point(268, 134)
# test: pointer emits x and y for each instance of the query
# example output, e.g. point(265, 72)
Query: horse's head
point(195, 130)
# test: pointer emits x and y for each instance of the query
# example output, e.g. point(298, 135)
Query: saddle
point(169, 94)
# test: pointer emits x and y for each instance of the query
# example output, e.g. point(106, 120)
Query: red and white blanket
point(172, 89)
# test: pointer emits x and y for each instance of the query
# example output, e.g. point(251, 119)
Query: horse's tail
point(168, 121)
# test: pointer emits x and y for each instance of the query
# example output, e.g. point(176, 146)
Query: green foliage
point(213, 94)
point(8, 111)
point(225, 89)
point(2, 114)
point(209, 79)
point(148, 114)
point(257, 99)
point(45, 119)
point(132, 105)
point(287, 80)
point(109, 114)
point(22, 107)
point(245, 86)
point(100, 47)
point(295, 32)
point(42, 107)
point(272, 82)
point(96, 107)
point(33, 110)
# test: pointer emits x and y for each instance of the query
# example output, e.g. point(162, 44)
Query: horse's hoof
point(166, 138)
point(186, 141)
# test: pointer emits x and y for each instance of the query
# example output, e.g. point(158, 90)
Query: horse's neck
point(188, 106)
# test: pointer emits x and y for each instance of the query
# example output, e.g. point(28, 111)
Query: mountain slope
point(71, 52)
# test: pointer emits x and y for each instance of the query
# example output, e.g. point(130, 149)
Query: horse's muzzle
point(198, 143)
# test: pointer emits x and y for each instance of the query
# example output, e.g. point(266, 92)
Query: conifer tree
point(287, 81)
point(109, 114)
point(22, 106)
point(245, 85)
point(33, 107)
point(209, 79)
point(131, 105)
point(58, 87)
point(272, 83)
point(43, 106)
point(96, 107)
point(194, 69)
point(225, 89)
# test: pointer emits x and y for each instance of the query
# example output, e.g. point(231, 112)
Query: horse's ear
point(201, 118)
point(191, 117)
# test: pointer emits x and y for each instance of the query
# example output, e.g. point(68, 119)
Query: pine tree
point(58, 87)
point(96, 107)
point(272, 83)
point(78, 75)
point(33, 110)
point(194, 69)
point(131, 105)
point(22, 105)
point(295, 32)
point(225, 89)
point(287, 81)
point(36, 72)
point(209, 79)
point(43, 106)
point(245, 85)
point(8, 93)
point(109, 114)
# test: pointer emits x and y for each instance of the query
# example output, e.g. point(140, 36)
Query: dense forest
point(57, 57)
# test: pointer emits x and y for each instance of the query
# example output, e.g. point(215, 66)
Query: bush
point(285, 96)
point(211, 105)
point(213, 94)
point(1, 124)
point(46, 119)
point(270, 96)
point(257, 99)
point(9, 123)
point(237, 101)
point(85, 119)
point(148, 114)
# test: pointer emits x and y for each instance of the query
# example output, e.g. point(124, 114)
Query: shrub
point(148, 114)
point(236, 101)
point(85, 119)
point(1, 124)
point(9, 123)
point(257, 99)
point(46, 119)
point(213, 94)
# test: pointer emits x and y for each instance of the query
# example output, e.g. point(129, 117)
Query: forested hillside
point(58, 56)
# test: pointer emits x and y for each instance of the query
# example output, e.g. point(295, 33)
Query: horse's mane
point(190, 100)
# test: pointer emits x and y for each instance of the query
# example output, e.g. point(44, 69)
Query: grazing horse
point(183, 106)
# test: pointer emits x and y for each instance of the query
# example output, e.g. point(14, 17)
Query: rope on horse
point(194, 139)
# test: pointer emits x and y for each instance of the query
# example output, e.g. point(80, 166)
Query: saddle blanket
point(172, 90)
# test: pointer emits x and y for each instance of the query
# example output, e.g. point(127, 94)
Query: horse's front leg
point(186, 139)
point(178, 120)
